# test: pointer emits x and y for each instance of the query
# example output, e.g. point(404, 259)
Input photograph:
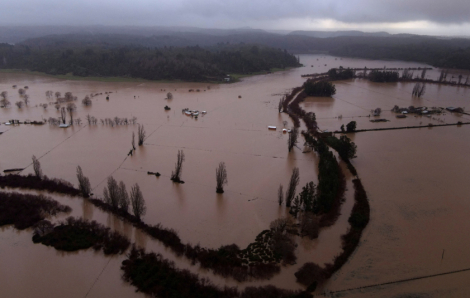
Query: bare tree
point(37, 167)
point(137, 202)
point(280, 195)
point(141, 134)
point(57, 94)
point(423, 73)
point(71, 107)
point(111, 193)
point(419, 89)
point(169, 95)
point(133, 141)
point(176, 175)
point(123, 197)
point(26, 99)
point(63, 115)
point(83, 183)
point(294, 181)
point(293, 137)
point(221, 177)
point(19, 104)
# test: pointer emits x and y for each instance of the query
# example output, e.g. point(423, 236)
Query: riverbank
point(234, 77)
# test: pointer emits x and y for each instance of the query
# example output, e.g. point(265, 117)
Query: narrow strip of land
point(402, 127)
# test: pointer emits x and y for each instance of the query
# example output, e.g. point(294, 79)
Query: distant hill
point(437, 51)
point(328, 34)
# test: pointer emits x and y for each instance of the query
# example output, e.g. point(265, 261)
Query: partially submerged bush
point(75, 234)
point(25, 210)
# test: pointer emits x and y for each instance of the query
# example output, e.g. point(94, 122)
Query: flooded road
point(414, 178)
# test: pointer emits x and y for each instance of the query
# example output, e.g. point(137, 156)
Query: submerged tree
point(293, 137)
point(423, 73)
point(86, 101)
point(26, 99)
point(137, 202)
point(281, 103)
point(4, 94)
point(176, 175)
point(294, 181)
point(123, 197)
point(221, 177)
point(49, 93)
point(83, 183)
point(133, 141)
point(4, 102)
point(19, 104)
point(111, 193)
point(346, 148)
point(141, 134)
point(351, 126)
point(419, 89)
point(71, 108)
point(63, 115)
point(280, 195)
point(37, 167)
point(169, 95)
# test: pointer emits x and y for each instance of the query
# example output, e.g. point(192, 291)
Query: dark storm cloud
point(230, 12)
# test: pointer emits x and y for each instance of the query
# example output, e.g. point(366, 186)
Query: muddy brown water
point(415, 179)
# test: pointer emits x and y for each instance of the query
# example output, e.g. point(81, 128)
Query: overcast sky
point(435, 17)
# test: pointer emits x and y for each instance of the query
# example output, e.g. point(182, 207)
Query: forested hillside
point(166, 63)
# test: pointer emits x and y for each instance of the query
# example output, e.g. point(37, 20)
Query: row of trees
point(340, 73)
point(319, 88)
point(383, 76)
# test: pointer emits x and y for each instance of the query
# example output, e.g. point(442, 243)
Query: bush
point(25, 210)
point(74, 234)
point(351, 126)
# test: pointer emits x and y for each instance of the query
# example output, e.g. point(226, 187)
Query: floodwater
point(414, 178)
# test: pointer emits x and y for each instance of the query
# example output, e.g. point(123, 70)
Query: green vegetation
point(319, 88)
point(184, 63)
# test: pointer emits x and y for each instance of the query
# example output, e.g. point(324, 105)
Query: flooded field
point(415, 179)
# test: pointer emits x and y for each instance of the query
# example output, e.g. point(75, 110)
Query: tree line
point(168, 63)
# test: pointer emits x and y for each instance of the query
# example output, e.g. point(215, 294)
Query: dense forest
point(438, 53)
point(191, 63)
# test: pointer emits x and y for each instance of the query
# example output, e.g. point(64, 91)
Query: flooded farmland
point(415, 179)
